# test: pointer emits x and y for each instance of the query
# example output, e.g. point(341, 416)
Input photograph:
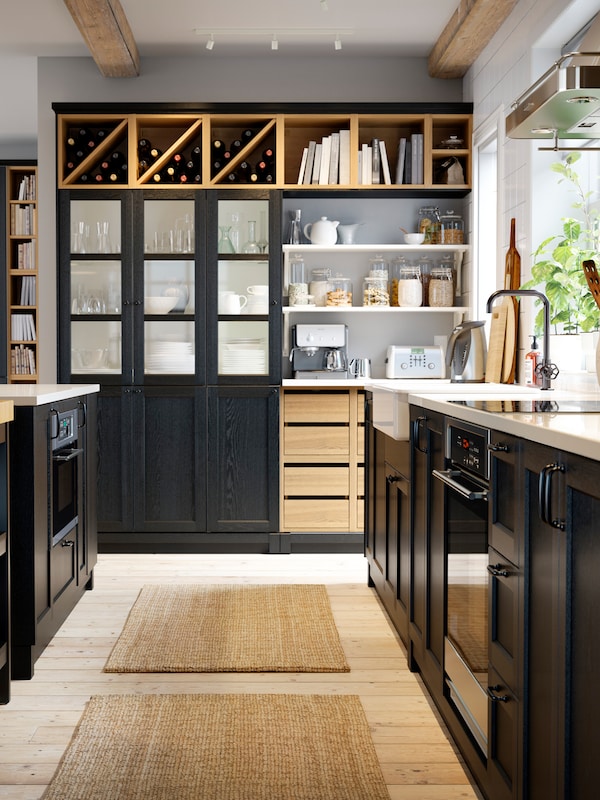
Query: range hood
point(563, 104)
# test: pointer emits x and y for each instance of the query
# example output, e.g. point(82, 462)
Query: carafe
point(251, 246)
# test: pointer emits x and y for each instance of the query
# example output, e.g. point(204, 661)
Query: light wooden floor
point(417, 758)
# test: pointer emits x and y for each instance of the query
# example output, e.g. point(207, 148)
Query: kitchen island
point(526, 553)
point(52, 469)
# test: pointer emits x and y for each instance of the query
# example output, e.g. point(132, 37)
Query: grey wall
point(207, 78)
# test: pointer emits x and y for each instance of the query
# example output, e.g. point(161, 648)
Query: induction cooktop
point(532, 406)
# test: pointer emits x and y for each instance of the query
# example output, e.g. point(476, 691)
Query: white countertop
point(38, 394)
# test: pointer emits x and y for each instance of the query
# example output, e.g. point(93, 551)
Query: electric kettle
point(466, 353)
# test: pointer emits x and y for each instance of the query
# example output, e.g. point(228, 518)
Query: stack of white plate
point(256, 305)
point(243, 357)
point(169, 357)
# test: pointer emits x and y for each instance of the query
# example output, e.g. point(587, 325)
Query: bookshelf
point(22, 273)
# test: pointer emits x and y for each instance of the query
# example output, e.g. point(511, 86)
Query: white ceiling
point(241, 27)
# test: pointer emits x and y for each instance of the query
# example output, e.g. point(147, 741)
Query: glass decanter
point(225, 243)
point(251, 246)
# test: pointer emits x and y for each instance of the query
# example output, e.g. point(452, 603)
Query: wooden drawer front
point(316, 481)
point(316, 408)
point(360, 440)
point(360, 481)
point(309, 440)
point(360, 514)
point(315, 514)
point(360, 407)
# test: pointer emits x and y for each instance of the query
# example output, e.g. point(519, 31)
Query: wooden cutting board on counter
point(512, 280)
point(495, 354)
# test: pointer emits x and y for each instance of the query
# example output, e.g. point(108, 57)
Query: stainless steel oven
point(63, 491)
point(466, 479)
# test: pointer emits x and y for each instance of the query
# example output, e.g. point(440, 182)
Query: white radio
point(404, 361)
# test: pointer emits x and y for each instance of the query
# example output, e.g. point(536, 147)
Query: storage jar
point(452, 228)
point(339, 292)
point(429, 223)
point(319, 285)
point(441, 288)
point(410, 288)
point(375, 291)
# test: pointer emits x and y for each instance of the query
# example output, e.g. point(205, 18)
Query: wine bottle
point(100, 135)
point(99, 177)
point(117, 158)
point(268, 155)
point(144, 146)
point(235, 146)
point(71, 141)
point(157, 177)
point(232, 177)
point(85, 178)
point(155, 153)
point(244, 169)
point(247, 134)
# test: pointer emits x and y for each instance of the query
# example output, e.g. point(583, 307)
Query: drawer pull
point(497, 570)
point(67, 543)
point(497, 698)
point(498, 447)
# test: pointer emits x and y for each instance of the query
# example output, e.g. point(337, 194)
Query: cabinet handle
point(497, 570)
point(67, 543)
point(392, 478)
point(417, 434)
point(83, 407)
point(498, 447)
point(545, 496)
point(497, 698)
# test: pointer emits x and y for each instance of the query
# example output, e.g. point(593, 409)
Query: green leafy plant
point(557, 269)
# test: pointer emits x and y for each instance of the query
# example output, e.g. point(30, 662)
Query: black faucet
point(546, 369)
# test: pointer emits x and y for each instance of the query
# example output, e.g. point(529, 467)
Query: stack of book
point(26, 255)
point(27, 187)
point(22, 361)
point(22, 220)
point(27, 291)
point(326, 162)
point(22, 328)
point(374, 167)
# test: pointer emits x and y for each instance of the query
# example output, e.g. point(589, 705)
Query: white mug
point(232, 303)
point(259, 289)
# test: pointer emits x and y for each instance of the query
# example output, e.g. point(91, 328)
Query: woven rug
point(230, 628)
point(220, 747)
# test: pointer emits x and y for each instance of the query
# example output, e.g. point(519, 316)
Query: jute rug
point(220, 747)
point(230, 628)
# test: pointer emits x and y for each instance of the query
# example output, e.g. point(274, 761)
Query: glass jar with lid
point(452, 228)
point(340, 291)
point(298, 287)
point(410, 287)
point(441, 288)
point(319, 285)
point(425, 265)
point(397, 264)
point(375, 291)
point(378, 267)
point(429, 223)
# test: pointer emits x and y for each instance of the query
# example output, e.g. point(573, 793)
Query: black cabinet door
point(243, 459)
point(563, 647)
point(151, 470)
point(397, 575)
point(505, 525)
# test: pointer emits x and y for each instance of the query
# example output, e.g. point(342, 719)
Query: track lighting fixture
point(274, 43)
point(338, 42)
point(211, 42)
point(282, 34)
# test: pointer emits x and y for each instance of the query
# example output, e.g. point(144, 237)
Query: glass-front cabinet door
point(243, 287)
point(128, 291)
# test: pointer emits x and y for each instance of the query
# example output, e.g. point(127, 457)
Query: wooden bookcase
point(87, 143)
point(22, 273)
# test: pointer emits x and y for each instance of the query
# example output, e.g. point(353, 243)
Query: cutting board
point(495, 354)
point(512, 280)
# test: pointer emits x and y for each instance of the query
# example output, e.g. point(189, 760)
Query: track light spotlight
point(324, 6)
point(274, 43)
point(210, 43)
point(338, 43)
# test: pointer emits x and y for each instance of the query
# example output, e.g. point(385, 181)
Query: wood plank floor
point(417, 757)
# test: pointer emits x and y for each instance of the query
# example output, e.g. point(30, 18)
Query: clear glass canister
point(340, 291)
point(378, 267)
point(397, 264)
point(452, 228)
point(319, 285)
point(375, 291)
point(298, 287)
point(410, 288)
point(441, 287)
point(425, 265)
point(429, 223)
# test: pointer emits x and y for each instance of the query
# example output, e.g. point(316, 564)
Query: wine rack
point(210, 150)
point(22, 272)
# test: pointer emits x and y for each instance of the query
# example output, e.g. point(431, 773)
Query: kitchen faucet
point(546, 369)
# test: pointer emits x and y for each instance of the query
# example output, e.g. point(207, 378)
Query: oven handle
point(67, 455)
point(448, 476)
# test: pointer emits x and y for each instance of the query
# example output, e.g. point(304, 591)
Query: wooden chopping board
point(495, 354)
point(512, 280)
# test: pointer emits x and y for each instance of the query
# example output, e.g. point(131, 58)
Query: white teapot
point(322, 232)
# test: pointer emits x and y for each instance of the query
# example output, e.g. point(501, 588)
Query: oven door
point(466, 641)
point(64, 475)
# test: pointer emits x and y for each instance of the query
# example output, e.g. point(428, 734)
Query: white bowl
point(414, 238)
point(159, 305)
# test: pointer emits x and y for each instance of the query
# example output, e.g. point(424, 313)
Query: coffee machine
point(319, 351)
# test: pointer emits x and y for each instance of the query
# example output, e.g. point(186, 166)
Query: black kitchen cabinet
point(4, 570)
point(427, 604)
point(242, 459)
point(125, 257)
point(561, 723)
point(48, 576)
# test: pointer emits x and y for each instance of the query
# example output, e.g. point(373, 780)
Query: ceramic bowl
point(414, 238)
point(159, 305)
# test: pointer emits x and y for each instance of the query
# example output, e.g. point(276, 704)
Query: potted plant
point(557, 269)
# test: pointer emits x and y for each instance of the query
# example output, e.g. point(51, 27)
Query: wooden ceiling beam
point(107, 34)
point(469, 30)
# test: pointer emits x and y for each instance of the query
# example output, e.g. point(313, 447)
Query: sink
point(391, 413)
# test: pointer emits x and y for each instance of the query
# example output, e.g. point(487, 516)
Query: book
point(385, 166)
point(325, 160)
point(317, 163)
point(344, 171)
point(302, 166)
point(310, 160)
point(375, 162)
point(366, 164)
point(401, 156)
point(408, 162)
point(334, 158)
